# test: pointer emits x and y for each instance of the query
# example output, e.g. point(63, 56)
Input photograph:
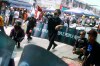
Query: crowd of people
point(10, 15)
point(87, 48)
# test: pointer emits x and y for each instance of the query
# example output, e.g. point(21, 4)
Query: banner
point(64, 35)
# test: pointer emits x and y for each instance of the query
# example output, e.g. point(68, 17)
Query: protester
point(92, 55)
point(17, 33)
point(80, 45)
point(54, 24)
point(31, 24)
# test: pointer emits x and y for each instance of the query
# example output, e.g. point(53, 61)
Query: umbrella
point(19, 4)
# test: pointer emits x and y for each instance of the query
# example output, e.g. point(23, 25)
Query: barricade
point(44, 33)
point(61, 34)
point(38, 29)
point(64, 35)
point(70, 36)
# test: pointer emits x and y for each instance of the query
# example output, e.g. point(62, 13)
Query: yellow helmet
point(1, 21)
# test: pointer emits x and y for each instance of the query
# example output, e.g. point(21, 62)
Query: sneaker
point(30, 38)
point(54, 46)
point(18, 45)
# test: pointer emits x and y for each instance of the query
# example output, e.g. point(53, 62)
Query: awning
point(75, 11)
point(19, 4)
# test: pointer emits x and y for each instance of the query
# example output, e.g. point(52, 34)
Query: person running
point(31, 24)
point(54, 24)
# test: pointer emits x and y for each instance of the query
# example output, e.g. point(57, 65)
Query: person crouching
point(17, 34)
point(80, 45)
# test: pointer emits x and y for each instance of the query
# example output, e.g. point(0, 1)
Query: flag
point(61, 7)
point(38, 13)
point(39, 8)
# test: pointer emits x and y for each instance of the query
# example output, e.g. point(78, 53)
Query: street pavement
point(63, 51)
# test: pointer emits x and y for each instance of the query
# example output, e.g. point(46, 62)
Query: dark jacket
point(17, 35)
point(32, 22)
point(53, 22)
point(80, 43)
point(93, 52)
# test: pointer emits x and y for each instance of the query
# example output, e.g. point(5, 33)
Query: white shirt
point(16, 14)
point(7, 13)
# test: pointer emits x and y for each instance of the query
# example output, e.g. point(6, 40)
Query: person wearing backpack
point(54, 24)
